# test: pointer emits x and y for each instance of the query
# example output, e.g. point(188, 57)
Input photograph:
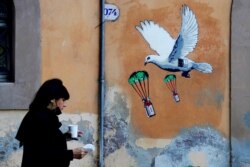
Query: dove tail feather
point(203, 67)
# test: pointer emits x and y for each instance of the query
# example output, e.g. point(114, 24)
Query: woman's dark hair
point(50, 89)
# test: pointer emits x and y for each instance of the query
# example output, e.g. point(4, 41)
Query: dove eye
point(148, 58)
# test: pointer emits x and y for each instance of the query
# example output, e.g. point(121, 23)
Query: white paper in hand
point(89, 147)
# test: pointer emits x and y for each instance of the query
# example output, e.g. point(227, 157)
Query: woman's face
point(61, 103)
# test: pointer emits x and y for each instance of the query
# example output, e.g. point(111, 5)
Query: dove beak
point(145, 63)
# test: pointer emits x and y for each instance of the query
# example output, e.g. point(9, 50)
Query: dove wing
point(188, 36)
point(158, 39)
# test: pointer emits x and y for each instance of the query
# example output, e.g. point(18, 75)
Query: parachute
point(170, 81)
point(139, 80)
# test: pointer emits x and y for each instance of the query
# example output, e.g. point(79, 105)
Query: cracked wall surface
point(120, 140)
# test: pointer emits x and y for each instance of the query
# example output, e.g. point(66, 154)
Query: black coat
point(44, 145)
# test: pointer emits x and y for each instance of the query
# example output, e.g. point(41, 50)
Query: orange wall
point(70, 49)
point(204, 97)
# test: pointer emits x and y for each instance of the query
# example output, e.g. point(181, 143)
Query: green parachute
point(139, 80)
point(170, 81)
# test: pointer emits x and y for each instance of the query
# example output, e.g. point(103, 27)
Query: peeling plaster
point(119, 136)
point(198, 158)
point(87, 123)
point(197, 139)
point(246, 119)
point(9, 122)
point(13, 160)
point(211, 146)
point(147, 143)
point(241, 152)
point(8, 144)
point(126, 160)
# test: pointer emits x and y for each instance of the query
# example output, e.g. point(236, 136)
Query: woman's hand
point(68, 135)
point(80, 133)
point(79, 153)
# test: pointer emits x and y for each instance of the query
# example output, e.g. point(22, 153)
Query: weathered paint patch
point(246, 119)
point(240, 152)
point(216, 98)
point(126, 160)
point(119, 135)
point(147, 143)
point(202, 139)
point(87, 123)
point(199, 158)
point(10, 153)
point(8, 144)
point(115, 124)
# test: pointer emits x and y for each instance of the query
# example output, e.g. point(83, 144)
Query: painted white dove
point(172, 53)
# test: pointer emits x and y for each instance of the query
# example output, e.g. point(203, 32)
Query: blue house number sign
point(111, 12)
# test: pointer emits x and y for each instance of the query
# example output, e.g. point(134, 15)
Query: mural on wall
point(139, 80)
point(189, 100)
point(172, 53)
point(170, 81)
